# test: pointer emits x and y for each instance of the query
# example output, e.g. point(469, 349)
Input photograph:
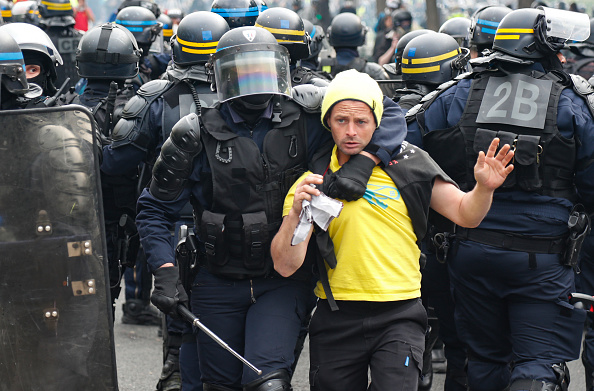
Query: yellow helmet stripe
point(167, 32)
point(282, 31)
point(6, 13)
point(56, 6)
point(197, 44)
point(289, 40)
point(507, 37)
point(517, 31)
point(434, 68)
point(199, 51)
point(427, 60)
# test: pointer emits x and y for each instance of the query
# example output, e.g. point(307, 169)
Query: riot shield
point(55, 313)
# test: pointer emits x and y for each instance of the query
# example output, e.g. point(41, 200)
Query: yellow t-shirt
point(374, 243)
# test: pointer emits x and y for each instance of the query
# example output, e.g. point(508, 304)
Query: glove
point(168, 292)
point(350, 182)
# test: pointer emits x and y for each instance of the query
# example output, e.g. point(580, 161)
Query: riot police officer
point(345, 34)
point(459, 28)
point(289, 30)
point(167, 31)
point(512, 275)
point(143, 24)
point(145, 125)
point(483, 25)
point(26, 12)
point(254, 143)
point(57, 21)
point(13, 74)
point(41, 57)
point(448, 61)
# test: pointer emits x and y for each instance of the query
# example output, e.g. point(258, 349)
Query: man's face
point(352, 124)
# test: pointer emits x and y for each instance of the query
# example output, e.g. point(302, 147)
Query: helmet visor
point(240, 73)
point(568, 25)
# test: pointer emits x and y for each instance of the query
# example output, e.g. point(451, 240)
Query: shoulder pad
point(390, 68)
point(134, 107)
point(430, 96)
point(412, 112)
point(122, 131)
point(447, 84)
point(464, 75)
point(584, 89)
point(154, 87)
point(309, 97)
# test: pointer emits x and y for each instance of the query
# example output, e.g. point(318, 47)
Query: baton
point(189, 316)
point(583, 301)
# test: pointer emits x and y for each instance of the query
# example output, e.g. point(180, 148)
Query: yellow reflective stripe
point(281, 31)
point(405, 60)
point(57, 6)
point(427, 60)
point(167, 32)
point(6, 13)
point(199, 51)
point(517, 31)
point(197, 44)
point(507, 37)
point(435, 68)
point(289, 40)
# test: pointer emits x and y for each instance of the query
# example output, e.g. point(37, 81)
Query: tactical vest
point(332, 66)
point(521, 110)
point(248, 191)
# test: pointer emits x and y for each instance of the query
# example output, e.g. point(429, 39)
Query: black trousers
point(383, 340)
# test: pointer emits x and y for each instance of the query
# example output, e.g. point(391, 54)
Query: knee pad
point(278, 380)
point(562, 384)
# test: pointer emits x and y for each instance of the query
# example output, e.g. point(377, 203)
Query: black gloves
point(350, 182)
point(168, 292)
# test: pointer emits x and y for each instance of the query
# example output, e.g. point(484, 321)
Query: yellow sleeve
point(291, 194)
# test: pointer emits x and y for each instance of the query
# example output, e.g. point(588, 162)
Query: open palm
point(491, 170)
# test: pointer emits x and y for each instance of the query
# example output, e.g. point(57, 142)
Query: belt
point(513, 241)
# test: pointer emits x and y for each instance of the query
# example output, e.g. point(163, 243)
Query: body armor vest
point(249, 188)
point(521, 110)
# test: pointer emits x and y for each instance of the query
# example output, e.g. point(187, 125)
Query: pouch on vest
point(526, 162)
point(482, 140)
point(212, 231)
point(257, 244)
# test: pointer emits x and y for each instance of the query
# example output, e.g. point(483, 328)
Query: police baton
point(582, 301)
point(189, 316)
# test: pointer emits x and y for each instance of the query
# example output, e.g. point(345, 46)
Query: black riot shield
point(55, 312)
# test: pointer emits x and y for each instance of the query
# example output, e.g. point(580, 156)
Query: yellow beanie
point(353, 85)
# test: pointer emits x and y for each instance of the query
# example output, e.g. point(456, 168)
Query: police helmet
point(484, 24)
point(109, 52)
point(249, 61)
point(34, 41)
point(51, 8)
point(538, 33)
point(346, 30)
point(237, 13)
point(148, 4)
point(12, 66)
point(433, 59)
point(167, 26)
point(6, 10)
point(402, 42)
point(288, 29)
point(142, 23)
point(316, 35)
point(262, 6)
point(26, 12)
point(197, 37)
point(402, 19)
point(458, 28)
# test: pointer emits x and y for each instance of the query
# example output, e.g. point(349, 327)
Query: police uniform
point(510, 282)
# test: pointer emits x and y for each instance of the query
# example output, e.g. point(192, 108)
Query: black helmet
point(26, 12)
point(12, 66)
point(347, 30)
point(402, 19)
point(288, 29)
point(402, 42)
point(167, 26)
point(458, 28)
point(197, 37)
point(249, 61)
point(433, 59)
point(51, 8)
point(6, 10)
point(237, 13)
point(484, 25)
point(109, 52)
point(316, 36)
point(35, 43)
point(142, 23)
point(538, 33)
point(261, 5)
point(148, 4)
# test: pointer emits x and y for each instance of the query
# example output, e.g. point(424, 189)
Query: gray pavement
point(139, 358)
